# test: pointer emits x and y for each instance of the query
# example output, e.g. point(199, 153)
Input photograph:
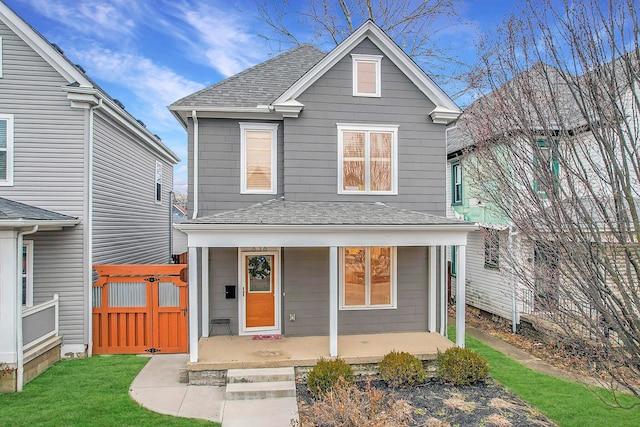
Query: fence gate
point(140, 308)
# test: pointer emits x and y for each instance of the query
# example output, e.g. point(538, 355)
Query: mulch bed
point(437, 404)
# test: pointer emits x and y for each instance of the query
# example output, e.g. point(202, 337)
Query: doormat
point(267, 337)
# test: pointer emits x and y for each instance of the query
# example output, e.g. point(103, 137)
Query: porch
point(233, 352)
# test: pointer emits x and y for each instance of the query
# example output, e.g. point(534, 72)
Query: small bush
point(348, 406)
point(326, 373)
point(461, 366)
point(401, 369)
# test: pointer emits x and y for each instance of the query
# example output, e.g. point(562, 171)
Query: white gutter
point(19, 341)
point(186, 227)
point(195, 164)
point(43, 224)
point(88, 232)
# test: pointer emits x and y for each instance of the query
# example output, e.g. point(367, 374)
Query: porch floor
point(232, 352)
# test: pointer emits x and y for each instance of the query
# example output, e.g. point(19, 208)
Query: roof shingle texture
point(259, 85)
point(282, 212)
point(16, 210)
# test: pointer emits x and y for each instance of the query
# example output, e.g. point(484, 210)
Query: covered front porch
point(308, 246)
point(241, 352)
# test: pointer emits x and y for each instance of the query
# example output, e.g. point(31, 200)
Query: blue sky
point(150, 53)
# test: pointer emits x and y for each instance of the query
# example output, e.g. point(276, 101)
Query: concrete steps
point(268, 383)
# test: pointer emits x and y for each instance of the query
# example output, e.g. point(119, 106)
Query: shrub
point(348, 406)
point(326, 373)
point(401, 369)
point(461, 366)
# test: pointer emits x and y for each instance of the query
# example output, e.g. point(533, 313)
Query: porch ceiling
point(233, 352)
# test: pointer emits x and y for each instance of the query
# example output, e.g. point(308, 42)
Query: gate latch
point(152, 350)
point(151, 279)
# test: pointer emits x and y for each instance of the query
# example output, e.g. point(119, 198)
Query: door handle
point(184, 311)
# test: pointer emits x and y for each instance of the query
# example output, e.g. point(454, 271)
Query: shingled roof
point(11, 210)
point(284, 212)
point(258, 85)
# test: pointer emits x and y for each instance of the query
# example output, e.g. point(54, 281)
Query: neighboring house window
point(366, 75)
point(158, 182)
point(368, 277)
point(258, 158)
point(367, 157)
point(545, 167)
point(456, 183)
point(27, 273)
point(454, 261)
point(491, 248)
point(6, 149)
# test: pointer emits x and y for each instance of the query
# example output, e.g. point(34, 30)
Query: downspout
point(514, 293)
point(195, 164)
point(19, 341)
point(171, 201)
point(88, 232)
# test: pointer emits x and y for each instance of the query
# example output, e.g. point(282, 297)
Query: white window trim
point(367, 306)
point(158, 180)
point(377, 60)
point(9, 181)
point(342, 127)
point(28, 244)
point(273, 128)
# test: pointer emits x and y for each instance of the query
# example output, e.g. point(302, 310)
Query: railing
point(40, 322)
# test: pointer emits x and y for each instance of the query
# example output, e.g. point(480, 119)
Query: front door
point(260, 285)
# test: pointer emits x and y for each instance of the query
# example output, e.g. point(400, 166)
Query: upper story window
point(546, 169)
point(456, 183)
point(6, 149)
point(491, 248)
point(367, 157)
point(158, 182)
point(258, 158)
point(366, 75)
point(368, 277)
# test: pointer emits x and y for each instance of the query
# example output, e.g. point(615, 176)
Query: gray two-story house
point(82, 182)
point(317, 195)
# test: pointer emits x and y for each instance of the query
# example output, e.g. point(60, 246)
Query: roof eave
point(460, 227)
point(260, 112)
point(43, 224)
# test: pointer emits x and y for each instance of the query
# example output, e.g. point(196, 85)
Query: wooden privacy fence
point(140, 308)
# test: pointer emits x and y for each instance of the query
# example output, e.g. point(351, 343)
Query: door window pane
point(259, 273)
point(354, 160)
point(354, 276)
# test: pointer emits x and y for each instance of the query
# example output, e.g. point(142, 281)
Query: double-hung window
point(367, 157)
point(366, 75)
point(545, 167)
point(368, 278)
point(456, 183)
point(6, 149)
point(158, 182)
point(258, 158)
point(491, 248)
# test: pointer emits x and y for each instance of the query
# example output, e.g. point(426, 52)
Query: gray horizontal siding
point(219, 167)
point(128, 226)
point(311, 165)
point(48, 173)
point(223, 271)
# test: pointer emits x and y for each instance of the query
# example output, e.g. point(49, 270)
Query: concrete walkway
point(158, 388)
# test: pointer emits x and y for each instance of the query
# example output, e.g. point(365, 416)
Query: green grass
point(84, 392)
point(567, 403)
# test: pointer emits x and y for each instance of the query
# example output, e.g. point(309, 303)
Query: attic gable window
point(6, 150)
point(366, 75)
point(367, 159)
point(258, 158)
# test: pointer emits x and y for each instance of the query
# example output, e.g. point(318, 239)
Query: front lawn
point(567, 403)
point(84, 392)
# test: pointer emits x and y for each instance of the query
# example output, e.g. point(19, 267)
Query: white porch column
point(205, 292)
point(193, 304)
point(443, 290)
point(333, 301)
point(431, 322)
point(460, 295)
point(9, 296)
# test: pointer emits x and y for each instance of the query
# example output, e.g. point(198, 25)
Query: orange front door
point(259, 283)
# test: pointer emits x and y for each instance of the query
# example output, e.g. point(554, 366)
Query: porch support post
point(460, 295)
point(333, 301)
point(431, 322)
point(205, 292)
point(193, 304)
point(443, 291)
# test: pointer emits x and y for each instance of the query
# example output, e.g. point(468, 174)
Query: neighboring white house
point(82, 182)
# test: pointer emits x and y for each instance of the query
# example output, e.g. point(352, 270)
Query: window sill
point(492, 267)
point(369, 307)
point(456, 203)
